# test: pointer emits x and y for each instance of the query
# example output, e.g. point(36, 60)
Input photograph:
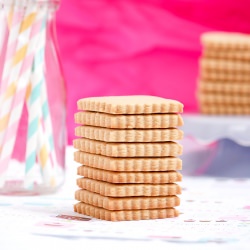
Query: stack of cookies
point(224, 84)
point(129, 157)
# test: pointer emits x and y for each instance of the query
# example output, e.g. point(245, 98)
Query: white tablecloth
point(215, 214)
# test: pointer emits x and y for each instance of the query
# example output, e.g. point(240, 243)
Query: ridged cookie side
point(236, 55)
point(126, 203)
point(128, 135)
point(129, 177)
point(130, 105)
point(129, 121)
point(225, 41)
point(155, 149)
point(224, 88)
point(127, 215)
point(224, 65)
point(224, 109)
point(214, 98)
point(128, 164)
point(223, 76)
point(125, 190)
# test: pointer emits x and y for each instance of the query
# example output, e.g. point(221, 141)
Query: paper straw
point(13, 104)
point(13, 55)
point(11, 46)
point(34, 104)
point(46, 151)
point(3, 29)
point(50, 168)
point(14, 25)
point(45, 145)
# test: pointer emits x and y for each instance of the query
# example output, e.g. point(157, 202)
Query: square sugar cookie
point(135, 104)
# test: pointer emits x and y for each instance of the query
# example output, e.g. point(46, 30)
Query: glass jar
point(32, 99)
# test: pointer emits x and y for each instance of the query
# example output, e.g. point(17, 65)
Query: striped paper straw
point(46, 150)
point(34, 106)
point(14, 24)
point(13, 56)
point(5, 90)
point(49, 140)
point(13, 104)
point(3, 40)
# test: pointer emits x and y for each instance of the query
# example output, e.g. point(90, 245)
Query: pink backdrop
point(124, 47)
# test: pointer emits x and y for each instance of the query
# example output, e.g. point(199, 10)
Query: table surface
point(215, 212)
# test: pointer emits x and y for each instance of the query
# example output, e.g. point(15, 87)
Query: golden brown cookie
point(126, 215)
point(128, 163)
point(129, 121)
point(128, 149)
point(125, 190)
point(128, 135)
point(235, 55)
point(224, 88)
point(225, 40)
point(137, 104)
point(126, 203)
point(232, 66)
point(216, 98)
point(129, 177)
point(220, 109)
point(225, 77)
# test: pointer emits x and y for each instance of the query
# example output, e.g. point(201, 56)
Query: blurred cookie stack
point(129, 157)
point(224, 83)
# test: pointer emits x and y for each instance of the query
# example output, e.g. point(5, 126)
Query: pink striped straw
point(34, 105)
point(13, 106)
